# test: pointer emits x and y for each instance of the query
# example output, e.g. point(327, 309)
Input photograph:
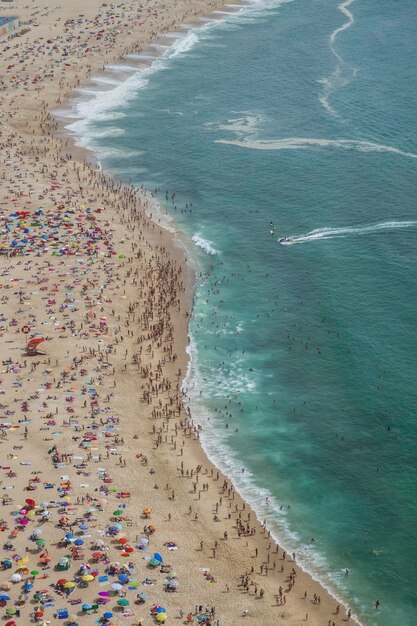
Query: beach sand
point(96, 422)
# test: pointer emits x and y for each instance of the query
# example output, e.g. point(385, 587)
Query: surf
point(332, 233)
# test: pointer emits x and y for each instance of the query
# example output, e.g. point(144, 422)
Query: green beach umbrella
point(117, 512)
point(34, 572)
point(11, 610)
point(122, 602)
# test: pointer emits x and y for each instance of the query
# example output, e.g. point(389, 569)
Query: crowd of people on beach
point(109, 507)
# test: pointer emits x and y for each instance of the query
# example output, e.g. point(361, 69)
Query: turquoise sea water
point(301, 114)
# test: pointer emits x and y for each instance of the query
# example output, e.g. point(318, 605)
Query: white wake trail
point(337, 78)
point(331, 233)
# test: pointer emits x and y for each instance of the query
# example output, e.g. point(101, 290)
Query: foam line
point(331, 233)
point(294, 143)
point(204, 244)
point(336, 79)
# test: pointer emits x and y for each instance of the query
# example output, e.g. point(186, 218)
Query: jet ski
point(285, 240)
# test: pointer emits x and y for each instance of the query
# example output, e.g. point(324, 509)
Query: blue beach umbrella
point(108, 615)
point(123, 578)
point(78, 542)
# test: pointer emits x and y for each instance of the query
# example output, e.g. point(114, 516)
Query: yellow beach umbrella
point(87, 578)
point(69, 585)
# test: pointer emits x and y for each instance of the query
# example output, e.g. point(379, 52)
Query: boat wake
point(331, 233)
point(343, 73)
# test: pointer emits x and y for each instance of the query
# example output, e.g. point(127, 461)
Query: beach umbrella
point(69, 585)
point(84, 526)
point(11, 610)
point(123, 578)
point(16, 578)
point(160, 609)
point(69, 536)
point(4, 596)
point(61, 582)
point(103, 594)
point(10, 623)
point(40, 542)
point(123, 602)
point(117, 512)
point(34, 572)
point(86, 607)
point(107, 615)
point(123, 540)
point(78, 542)
point(30, 501)
point(116, 586)
point(87, 578)
point(161, 617)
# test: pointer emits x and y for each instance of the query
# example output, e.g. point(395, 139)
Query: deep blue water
point(303, 115)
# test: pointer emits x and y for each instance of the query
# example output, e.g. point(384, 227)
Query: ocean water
point(300, 114)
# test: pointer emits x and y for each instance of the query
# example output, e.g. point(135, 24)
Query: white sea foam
point(215, 441)
point(343, 73)
point(204, 244)
point(244, 126)
point(109, 132)
point(294, 143)
point(99, 103)
point(122, 68)
point(105, 80)
point(331, 233)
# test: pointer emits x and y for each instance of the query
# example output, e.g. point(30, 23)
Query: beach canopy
point(33, 343)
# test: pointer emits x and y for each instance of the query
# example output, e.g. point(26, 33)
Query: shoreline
point(195, 454)
point(183, 241)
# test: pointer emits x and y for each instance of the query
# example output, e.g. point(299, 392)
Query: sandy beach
point(111, 512)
